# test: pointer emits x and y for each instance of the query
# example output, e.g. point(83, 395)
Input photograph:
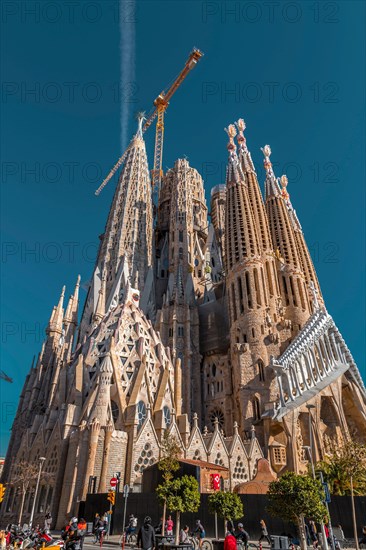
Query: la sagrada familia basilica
point(215, 331)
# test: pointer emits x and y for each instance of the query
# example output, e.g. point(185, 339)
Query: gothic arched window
point(217, 413)
point(141, 414)
point(256, 409)
point(167, 416)
point(261, 370)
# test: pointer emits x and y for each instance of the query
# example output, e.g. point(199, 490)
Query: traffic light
point(2, 492)
point(111, 497)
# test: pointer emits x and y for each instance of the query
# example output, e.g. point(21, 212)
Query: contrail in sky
point(127, 13)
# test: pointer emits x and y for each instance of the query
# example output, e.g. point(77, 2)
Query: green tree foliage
point(181, 495)
point(294, 497)
point(170, 452)
point(168, 464)
point(344, 463)
point(225, 505)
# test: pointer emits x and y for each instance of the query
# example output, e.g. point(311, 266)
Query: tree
point(345, 463)
point(345, 471)
point(24, 478)
point(294, 497)
point(181, 495)
point(227, 506)
point(170, 451)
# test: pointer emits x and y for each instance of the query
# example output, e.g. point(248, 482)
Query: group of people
point(74, 533)
point(146, 537)
point(233, 537)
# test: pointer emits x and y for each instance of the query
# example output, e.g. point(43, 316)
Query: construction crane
point(160, 106)
point(5, 377)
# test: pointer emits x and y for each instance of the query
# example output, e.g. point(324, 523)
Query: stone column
point(108, 430)
point(94, 430)
point(178, 386)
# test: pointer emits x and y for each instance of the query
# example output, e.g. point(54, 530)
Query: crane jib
point(161, 103)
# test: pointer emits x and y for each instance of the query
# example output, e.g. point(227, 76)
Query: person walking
point(82, 528)
point(146, 535)
point(47, 522)
point(230, 541)
point(313, 534)
point(169, 525)
point(264, 532)
point(362, 539)
point(242, 535)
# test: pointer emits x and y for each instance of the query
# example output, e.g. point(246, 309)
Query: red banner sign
point(215, 482)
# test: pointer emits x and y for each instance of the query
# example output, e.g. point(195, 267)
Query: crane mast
point(160, 106)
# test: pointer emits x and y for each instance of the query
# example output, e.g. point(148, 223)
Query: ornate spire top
point(284, 192)
point(240, 124)
point(271, 185)
point(266, 150)
point(244, 155)
point(234, 171)
point(231, 132)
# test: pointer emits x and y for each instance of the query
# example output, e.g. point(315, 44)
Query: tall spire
point(289, 265)
point(55, 323)
point(303, 251)
point(269, 280)
point(71, 320)
point(126, 245)
point(243, 242)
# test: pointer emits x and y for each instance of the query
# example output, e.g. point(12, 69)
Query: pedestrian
point(72, 539)
point(230, 526)
point(242, 535)
point(146, 535)
point(95, 522)
point(313, 534)
point(169, 525)
point(338, 534)
point(363, 536)
point(230, 541)
point(159, 527)
point(131, 527)
point(47, 522)
point(200, 532)
point(264, 532)
point(82, 528)
point(184, 535)
point(307, 534)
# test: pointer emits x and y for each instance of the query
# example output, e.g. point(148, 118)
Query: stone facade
point(215, 332)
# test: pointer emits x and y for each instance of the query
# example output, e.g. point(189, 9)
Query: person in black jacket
point(146, 535)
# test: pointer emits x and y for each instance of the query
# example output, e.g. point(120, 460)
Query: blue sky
point(295, 71)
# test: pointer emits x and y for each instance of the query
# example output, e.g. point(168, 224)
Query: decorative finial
point(266, 150)
point(240, 124)
point(231, 132)
point(235, 427)
point(284, 183)
point(141, 118)
point(252, 429)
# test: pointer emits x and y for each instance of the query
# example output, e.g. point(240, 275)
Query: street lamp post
point(41, 461)
point(310, 451)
